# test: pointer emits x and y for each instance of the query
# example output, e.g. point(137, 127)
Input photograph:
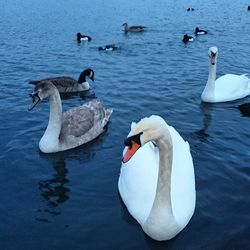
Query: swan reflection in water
point(54, 190)
point(202, 134)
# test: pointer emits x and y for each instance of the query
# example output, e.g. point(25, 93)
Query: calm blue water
point(70, 200)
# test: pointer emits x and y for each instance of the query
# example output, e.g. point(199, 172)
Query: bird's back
point(83, 124)
point(231, 87)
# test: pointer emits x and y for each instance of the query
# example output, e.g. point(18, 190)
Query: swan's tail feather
point(108, 113)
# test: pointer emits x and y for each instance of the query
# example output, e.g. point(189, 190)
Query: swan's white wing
point(183, 193)
point(231, 87)
point(137, 181)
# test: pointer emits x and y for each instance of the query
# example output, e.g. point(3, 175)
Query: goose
point(228, 87)
point(80, 37)
point(186, 38)
point(70, 129)
point(109, 47)
point(199, 31)
point(67, 84)
point(136, 28)
point(157, 182)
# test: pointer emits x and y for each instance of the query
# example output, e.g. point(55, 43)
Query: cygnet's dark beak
point(35, 100)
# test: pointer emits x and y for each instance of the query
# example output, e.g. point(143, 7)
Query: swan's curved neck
point(161, 222)
point(210, 87)
point(163, 188)
point(50, 138)
point(212, 73)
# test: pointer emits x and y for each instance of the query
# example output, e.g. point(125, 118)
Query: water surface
point(70, 200)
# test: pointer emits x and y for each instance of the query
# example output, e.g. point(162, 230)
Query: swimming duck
point(228, 87)
point(186, 38)
point(67, 84)
point(190, 9)
point(137, 28)
point(72, 128)
point(157, 182)
point(199, 31)
point(109, 47)
point(81, 37)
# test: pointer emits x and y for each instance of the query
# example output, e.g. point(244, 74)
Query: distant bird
point(186, 38)
point(109, 47)
point(248, 8)
point(137, 28)
point(245, 109)
point(66, 84)
point(199, 31)
point(226, 88)
point(72, 128)
point(190, 9)
point(80, 37)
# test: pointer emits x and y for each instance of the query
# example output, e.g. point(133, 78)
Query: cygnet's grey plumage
point(72, 128)
point(66, 84)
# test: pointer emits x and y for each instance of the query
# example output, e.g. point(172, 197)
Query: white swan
point(228, 87)
point(157, 184)
point(66, 84)
point(72, 128)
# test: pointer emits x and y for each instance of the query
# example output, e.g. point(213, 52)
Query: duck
point(248, 8)
point(186, 38)
point(80, 37)
point(157, 181)
point(190, 9)
point(70, 129)
point(66, 84)
point(109, 47)
point(199, 31)
point(135, 28)
point(226, 88)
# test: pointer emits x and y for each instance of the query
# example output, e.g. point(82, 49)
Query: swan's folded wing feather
point(77, 122)
point(230, 85)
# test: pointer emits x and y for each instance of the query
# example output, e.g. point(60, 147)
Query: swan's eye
point(128, 143)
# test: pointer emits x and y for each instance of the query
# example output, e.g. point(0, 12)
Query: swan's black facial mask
point(134, 138)
point(213, 56)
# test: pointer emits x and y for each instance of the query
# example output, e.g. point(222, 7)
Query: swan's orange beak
point(130, 151)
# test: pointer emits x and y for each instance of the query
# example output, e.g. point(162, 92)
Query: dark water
point(70, 200)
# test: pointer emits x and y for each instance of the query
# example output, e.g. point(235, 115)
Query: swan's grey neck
point(55, 116)
point(163, 197)
point(161, 223)
point(50, 139)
